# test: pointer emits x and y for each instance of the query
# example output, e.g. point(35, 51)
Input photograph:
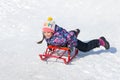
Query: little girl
point(55, 35)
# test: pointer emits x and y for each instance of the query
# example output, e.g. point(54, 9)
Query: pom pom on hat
point(50, 19)
point(49, 26)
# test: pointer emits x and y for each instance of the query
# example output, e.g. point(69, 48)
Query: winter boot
point(77, 31)
point(104, 42)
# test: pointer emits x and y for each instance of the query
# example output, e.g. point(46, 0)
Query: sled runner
point(66, 55)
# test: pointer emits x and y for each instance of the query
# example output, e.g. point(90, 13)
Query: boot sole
point(107, 45)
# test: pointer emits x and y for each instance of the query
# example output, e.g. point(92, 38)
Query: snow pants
point(82, 46)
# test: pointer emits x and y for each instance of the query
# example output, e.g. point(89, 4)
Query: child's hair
point(41, 40)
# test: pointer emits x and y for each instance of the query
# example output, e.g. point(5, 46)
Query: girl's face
point(47, 34)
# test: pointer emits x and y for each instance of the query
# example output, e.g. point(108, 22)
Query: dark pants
point(82, 46)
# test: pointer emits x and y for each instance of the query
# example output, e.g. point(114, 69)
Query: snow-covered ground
point(20, 28)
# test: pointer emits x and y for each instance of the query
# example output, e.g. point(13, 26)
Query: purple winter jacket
point(62, 38)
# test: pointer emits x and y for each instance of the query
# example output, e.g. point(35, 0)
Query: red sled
point(66, 55)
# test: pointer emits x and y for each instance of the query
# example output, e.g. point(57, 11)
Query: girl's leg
point(75, 32)
point(87, 46)
point(92, 44)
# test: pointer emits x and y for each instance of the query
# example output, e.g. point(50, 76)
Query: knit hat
point(49, 25)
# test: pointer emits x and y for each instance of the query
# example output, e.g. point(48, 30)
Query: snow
point(20, 28)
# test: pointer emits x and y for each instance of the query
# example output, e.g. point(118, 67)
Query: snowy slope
point(20, 28)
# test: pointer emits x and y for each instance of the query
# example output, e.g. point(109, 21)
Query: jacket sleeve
point(59, 41)
point(63, 37)
point(59, 37)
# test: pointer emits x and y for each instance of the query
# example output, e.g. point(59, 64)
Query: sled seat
point(51, 53)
